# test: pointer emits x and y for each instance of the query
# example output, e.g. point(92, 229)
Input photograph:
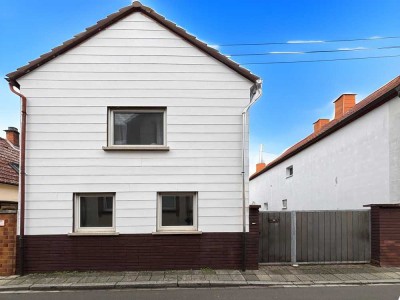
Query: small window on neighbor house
point(289, 171)
point(94, 212)
point(284, 204)
point(177, 212)
point(137, 127)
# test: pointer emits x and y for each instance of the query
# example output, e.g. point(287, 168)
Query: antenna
point(261, 154)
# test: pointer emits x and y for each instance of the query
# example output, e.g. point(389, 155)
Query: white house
point(345, 163)
point(134, 150)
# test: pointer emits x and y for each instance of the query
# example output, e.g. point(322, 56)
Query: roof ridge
point(111, 19)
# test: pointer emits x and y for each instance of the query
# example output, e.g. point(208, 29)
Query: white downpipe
point(255, 94)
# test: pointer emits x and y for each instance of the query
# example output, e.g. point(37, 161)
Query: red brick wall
point(218, 250)
point(8, 234)
point(385, 235)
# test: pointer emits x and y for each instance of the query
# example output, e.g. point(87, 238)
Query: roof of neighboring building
point(115, 17)
point(9, 160)
point(374, 100)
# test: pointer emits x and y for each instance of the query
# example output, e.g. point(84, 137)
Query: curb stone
point(219, 283)
point(146, 284)
point(197, 283)
point(19, 287)
point(89, 286)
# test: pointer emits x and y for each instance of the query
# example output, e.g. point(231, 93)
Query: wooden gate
point(315, 236)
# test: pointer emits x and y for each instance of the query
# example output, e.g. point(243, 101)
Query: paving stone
point(392, 275)
point(129, 278)
point(159, 273)
point(251, 277)
point(4, 281)
point(330, 277)
point(115, 278)
point(184, 277)
point(92, 279)
point(303, 277)
point(222, 272)
point(196, 272)
point(145, 273)
point(227, 277)
point(211, 277)
point(264, 277)
point(157, 278)
point(239, 277)
point(277, 277)
point(198, 277)
point(290, 277)
point(170, 277)
point(72, 279)
point(315, 277)
point(143, 278)
point(369, 276)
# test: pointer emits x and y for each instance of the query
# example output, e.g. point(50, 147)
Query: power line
point(314, 51)
point(300, 42)
point(318, 60)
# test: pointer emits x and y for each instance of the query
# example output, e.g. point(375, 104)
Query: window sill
point(97, 233)
point(177, 232)
point(138, 148)
point(289, 176)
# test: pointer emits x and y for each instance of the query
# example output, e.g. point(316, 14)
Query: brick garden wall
point(8, 234)
point(385, 235)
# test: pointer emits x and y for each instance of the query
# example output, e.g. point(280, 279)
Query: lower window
point(94, 212)
point(177, 212)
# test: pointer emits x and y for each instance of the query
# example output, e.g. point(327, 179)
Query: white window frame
point(161, 228)
point(284, 204)
point(77, 216)
point(288, 175)
point(110, 125)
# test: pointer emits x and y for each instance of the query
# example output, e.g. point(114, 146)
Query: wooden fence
point(315, 236)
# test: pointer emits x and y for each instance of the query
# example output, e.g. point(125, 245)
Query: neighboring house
point(134, 150)
point(345, 163)
point(9, 165)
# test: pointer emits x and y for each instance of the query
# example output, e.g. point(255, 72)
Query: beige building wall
point(8, 192)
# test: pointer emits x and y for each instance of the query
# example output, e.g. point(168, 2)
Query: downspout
point(255, 94)
point(22, 178)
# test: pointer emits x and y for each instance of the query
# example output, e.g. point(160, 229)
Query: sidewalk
point(274, 276)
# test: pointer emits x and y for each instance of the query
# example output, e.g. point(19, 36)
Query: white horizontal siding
point(79, 153)
point(134, 63)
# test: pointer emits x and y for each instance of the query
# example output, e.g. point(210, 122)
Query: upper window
point(289, 171)
point(137, 127)
point(177, 211)
point(94, 212)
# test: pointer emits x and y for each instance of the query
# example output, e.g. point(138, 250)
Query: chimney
point(12, 135)
point(319, 124)
point(260, 166)
point(343, 104)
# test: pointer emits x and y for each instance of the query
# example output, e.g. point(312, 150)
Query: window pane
point(96, 211)
point(137, 128)
point(177, 210)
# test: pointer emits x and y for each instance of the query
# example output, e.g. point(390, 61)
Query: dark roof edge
point(112, 19)
point(354, 116)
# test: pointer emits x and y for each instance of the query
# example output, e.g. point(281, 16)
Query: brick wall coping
point(393, 205)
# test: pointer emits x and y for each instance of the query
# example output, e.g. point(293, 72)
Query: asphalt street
point(381, 292)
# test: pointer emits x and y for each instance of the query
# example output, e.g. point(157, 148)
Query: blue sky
point(295, 95)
